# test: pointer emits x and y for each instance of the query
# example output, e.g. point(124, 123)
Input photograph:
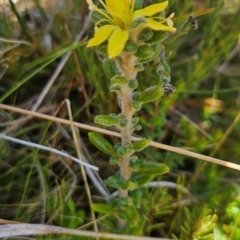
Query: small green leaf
point(103, 208)
point(102, 48)
point(155, 168)
point(135, 120)
point(144, 51)
point(133, 83)
point(136, 96)
point(114, 88)
point(158, 36)
point(139, 67)
point(97, 16)
point(106, 120)
point(137, 194)
point(136, 105)
point(130, 47)
point(123, 202)
point(146, 34)
point(151, 94)
point(140, 145)
point(143, 179)
point(101, 143)
point(114, 160)
point(167, 67)
point(123, 122)
point(166, 77)
point(110, 68)
point(132, 214)
point(137, 22)
point(118, 80)
point(122, 151)
point(138, 4)
point(138, 127)
point(131, 185)
point(116, 181)
point(156, 49)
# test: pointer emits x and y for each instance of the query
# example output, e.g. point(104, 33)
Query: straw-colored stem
point(126, 66)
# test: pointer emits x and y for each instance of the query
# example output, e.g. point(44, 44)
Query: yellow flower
point(120, 14)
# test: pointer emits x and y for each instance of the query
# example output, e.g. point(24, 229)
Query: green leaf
point(146, 34)
point(151, 94)
point(103, 208)
point(114, 160)
point(139, 67)
point(136, 105)
point(106, 120)
point(137, 22)
point(143, 179)
point(118, 80)
point(140, 145)
point(101, 143)
point(144, 51)
point(153, 168)
point(132, 214)
point(110, 68)
point(158, 36)
point(130, 47)
point(137, 194)
point(138, 4)
point(133, 83)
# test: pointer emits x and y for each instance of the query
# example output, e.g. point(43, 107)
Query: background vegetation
point(41, 187)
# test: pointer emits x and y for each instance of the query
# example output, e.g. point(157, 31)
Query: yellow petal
point(157, 26)
point(101, 35)
point(119, 9)
point(150, 10)
point(116, 42)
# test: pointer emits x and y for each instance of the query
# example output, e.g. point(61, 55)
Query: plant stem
point(126, 66)
point(126, 133)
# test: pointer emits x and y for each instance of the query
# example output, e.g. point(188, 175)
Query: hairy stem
point(126, 66)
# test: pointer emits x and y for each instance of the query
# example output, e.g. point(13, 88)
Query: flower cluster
point(117, 18)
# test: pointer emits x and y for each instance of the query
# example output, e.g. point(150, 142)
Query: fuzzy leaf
point(151, 94)
point(101, 143)
point(146, 34)
point(103, 208)
point(153, 168)
point(130, 47)
point(144, 51)
point(158, 36)
point(139, 67)
point(133, 83)
point(110, 68)
point(140, 145)
point(106, 120)
point(118, 80)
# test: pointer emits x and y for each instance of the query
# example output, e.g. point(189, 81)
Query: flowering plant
point(128, 36)
point(120, 20)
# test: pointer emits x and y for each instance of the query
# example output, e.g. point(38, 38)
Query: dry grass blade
point(111, 133)
point(11, 230)
point(34, 145)
point(78, 147)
